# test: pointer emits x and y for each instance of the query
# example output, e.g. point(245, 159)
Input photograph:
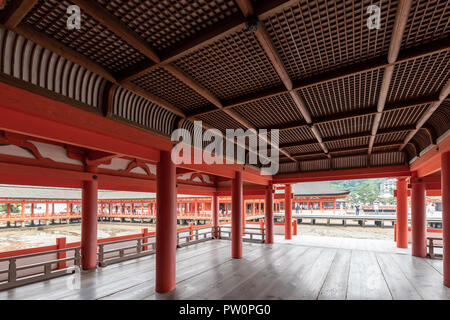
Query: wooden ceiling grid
point(336, 90)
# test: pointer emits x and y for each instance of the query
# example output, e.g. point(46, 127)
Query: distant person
point(376, 208)
point(357, 209)
point(297, 208)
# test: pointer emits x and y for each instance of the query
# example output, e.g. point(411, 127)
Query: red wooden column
point(402, 213)
point(8, 211)
point(89, 223)
point(166, 224)
point(215, 215)
point(288, 212)
point(418, 220)
point(236, 216)
point(268, 206)
point(445, 183)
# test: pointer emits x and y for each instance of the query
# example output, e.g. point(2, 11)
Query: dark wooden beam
point(108, 99)
point(187, 80)
point(15, 12)
point(246, 7)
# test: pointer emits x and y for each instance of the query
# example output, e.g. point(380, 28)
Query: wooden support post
point(268, 206)
point(402, 213)
point(166, 224)
point(89, 222)
point(215, 215)
point(261, 225)
point(236, 216)
point(294, 227)
point(288, 212)
point(445, 184)
point(144, 234)
point(418, 221)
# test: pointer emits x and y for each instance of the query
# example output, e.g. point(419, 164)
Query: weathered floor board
point(285, 270)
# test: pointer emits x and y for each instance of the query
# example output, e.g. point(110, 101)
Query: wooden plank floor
point(285, 270)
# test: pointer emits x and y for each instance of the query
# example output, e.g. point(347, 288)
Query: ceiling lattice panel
point(316, 36)
point(421, 77)
point(166, 23)
point(428, 20)
point(351, 143)
point(93, 40)
point(350, 93)
point(297, 134)
point(390, 138)
point(162, 84)
point(346, 127)
point(402, 117)
point(271, 112)
point(310, 148)
point(220, 120)
point(231, 67)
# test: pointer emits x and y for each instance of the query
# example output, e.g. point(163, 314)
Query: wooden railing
point(143, 246)
point(109, 252)
point(49, 269)
point(257, 235)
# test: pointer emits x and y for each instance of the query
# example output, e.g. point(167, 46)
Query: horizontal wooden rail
point(256, 235)
point(48, 272)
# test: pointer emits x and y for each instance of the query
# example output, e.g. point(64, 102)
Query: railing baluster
point(12, 272)
point(139, 245)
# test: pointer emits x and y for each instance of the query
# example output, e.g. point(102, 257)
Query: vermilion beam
point(37, 116)
point(402, 213)
point(166, 224)
point(236, 216)
point(418, 221)
point(445, 174)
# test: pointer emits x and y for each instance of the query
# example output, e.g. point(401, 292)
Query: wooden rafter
point(401, 19)
point(266, 43)
point(15, 12)
point(445, 91)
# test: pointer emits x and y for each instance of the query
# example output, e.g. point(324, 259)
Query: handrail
point(141, 247)
point(15, 281)
point(260, 236)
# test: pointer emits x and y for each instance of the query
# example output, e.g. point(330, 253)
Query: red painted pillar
point(445, 184)
point(166, 224)
point(288, 212)
point(8, 211)
point(236, 216)
point(402, 213)
point(215, 215)
point(268, 205)
point(89, 223)
point(418, 221)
